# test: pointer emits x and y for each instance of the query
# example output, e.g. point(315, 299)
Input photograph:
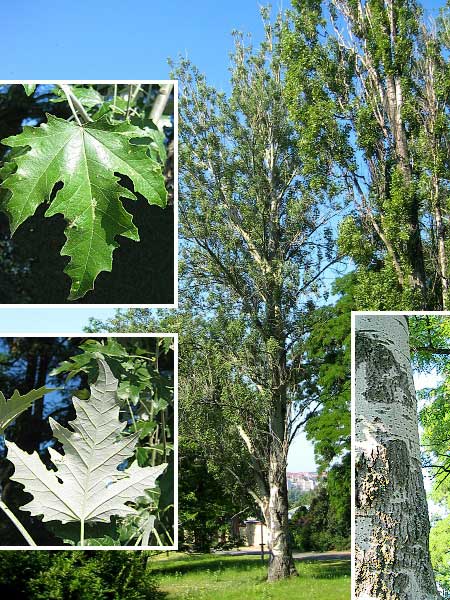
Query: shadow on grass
point(327, 569)
point(205, 563)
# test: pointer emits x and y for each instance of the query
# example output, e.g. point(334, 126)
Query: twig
point(161, 101)
point(17, 523)
point(75, 104)
point(114, 99)
point(72, 108)
point(128, 101)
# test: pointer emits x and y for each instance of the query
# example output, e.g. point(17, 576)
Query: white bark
point(392, 526)
point(281, 563)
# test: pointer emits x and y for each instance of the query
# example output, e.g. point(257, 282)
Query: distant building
point(255, 533)
point(302, 480)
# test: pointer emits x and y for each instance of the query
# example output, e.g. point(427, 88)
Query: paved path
point(333, 555)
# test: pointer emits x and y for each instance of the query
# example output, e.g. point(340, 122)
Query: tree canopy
point(368, 83)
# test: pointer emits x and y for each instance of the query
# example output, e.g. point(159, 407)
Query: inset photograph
point(87, 193)
point(401, 431)
point(88, 442)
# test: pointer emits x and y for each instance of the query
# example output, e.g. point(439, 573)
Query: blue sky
point(49, 320)
point(116, 40)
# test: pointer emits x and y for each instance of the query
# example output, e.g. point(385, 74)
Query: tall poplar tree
point(375, 105)
point(255, 246)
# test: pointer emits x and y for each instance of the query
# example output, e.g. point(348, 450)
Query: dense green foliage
point(298, 497)
point(325, 524)
point(430, 341)
point(368, 84)
point(440, 551)
point(328, 357)
point(77, 575)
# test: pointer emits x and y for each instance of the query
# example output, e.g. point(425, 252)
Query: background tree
point(369, 82)
point(91, 575)
point(430, 341)
point(392, 524)
point(327, 349)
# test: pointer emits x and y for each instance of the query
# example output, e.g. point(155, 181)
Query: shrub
point(77, 575)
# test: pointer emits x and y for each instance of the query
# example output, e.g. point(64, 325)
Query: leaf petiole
point(75, 105)
point(82, 532)
point(17, 523)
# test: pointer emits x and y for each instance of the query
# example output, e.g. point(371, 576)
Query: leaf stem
point(130, 410)
point(163, 433)
point(128, 101)
point(17, 523)
point(69, 100)
point(82, 532)
point(136, 91)
point(167, 533)
point(158, 539)
point(161, 102)
point(75, 104)
point(114, 99)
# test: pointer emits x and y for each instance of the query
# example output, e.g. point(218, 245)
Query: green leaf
point(166, 343)
point(142, 455)
point(87, 362)
point(153, 137)
point(103, 541)
point(87, 486)
point(10, 410)
point(145, 428)
point(83, 158)
point(29, 88)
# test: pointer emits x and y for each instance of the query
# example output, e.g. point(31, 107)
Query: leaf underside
point(84, 159)
point(87, 486)
point(12, 408)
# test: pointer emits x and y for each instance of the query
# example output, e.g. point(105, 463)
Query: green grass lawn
point(212, 577)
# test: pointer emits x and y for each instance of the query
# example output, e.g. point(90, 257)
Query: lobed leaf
point(11, 409)
point(87, 486)
point(84, 159)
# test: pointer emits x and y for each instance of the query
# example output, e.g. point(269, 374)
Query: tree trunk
point(414, 248)
point(281, 563)
point(392, 525)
